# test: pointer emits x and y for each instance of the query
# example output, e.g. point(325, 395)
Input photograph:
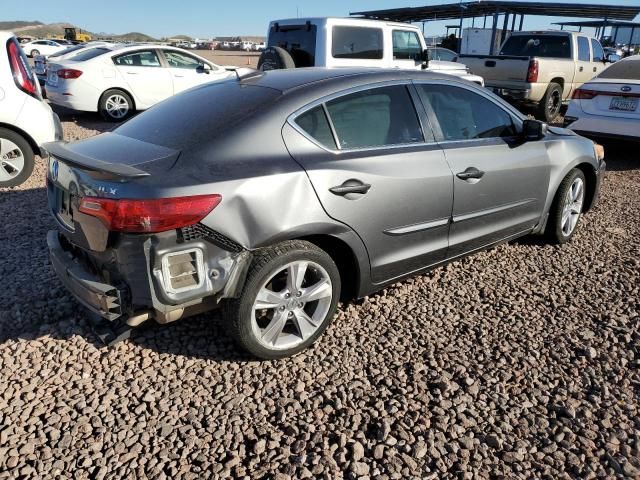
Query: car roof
point(349, 20)
point(289, 79)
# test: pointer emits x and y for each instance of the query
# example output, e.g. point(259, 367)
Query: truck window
point(549, 46)
point(598, 52)
point(406, 45)
point(583, 49)
point(298, 40)
point(357, 42)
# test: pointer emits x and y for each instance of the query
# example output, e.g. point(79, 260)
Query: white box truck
point(477, 41)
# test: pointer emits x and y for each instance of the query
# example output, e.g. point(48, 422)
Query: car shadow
point(88, 120)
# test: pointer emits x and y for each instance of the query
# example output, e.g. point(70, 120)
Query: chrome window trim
point(418, 227)
point(291, 119)
point(490, 211)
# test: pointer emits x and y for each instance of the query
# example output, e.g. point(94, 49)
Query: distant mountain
point(133, 37)
point(40, 30)
point(14, 24)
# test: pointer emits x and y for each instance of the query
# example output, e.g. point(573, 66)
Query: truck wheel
point(288, 300)
point(549, 106)
point(567, 207)
point(16, 159)
point(275, 58)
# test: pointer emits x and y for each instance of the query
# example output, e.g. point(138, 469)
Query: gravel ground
point(519, 362)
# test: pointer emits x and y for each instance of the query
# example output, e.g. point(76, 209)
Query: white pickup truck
point(352, 42)
point(542, 68)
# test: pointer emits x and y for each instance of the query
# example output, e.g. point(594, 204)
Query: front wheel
point(115, 105)
point(567, 207)
point(289, 298)
point(16, 159)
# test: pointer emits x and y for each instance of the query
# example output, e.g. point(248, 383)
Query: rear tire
point(16, 159)
point(289, 298)
point(566, 209)
point(550, 105)
point(116, 105)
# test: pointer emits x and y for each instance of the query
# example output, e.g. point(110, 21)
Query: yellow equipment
point(72, 35)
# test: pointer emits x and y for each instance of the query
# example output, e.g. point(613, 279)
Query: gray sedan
point(276, 194)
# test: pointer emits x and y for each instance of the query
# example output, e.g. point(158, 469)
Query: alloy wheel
point(554, 102)
point(117, 106)
point(291, 305)
point(11, 160)
point(572, 207)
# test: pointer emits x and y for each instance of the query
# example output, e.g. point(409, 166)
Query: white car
point(26, 120)
point(118, 82)
point(608, 106)
point(45, 47)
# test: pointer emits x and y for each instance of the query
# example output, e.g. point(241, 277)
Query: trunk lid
point(499, 68)
point(613, 99)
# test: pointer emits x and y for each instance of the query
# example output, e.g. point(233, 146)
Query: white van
point(351, 42)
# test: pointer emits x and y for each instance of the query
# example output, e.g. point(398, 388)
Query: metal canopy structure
point(468, 9)
point(495, 8)
point(601, 25)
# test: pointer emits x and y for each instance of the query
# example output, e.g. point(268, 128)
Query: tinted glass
point(598, 53)
point(583, 49)
point(406, 45)
point(89, 54)
point(538, 46)
point(202, 114)
point(465, 115)
point(67, 50)
point(145, 58)
point(374, 118)
point(315, 123)
point(298, 40)
point(181, 60)
point(624, 70)
point(357, 42)
point(442, 54)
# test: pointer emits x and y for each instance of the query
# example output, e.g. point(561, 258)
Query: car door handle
point(469, 173)
point(581, 69)
point(595, 69)
point(351, 186)
point(132, 73)
point(179, 76)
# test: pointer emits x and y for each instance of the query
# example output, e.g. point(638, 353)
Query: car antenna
point(244, 73)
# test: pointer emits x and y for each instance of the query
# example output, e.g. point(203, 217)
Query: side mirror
point(612, 58)
point(533, 130)
point(424, 58)
point(204, 68)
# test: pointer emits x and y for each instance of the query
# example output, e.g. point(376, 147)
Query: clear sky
point(207, 18)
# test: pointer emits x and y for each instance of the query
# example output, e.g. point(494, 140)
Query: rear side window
point(598, 52)
point(583, 49)
point(548, 46)
point(89, 54)
point(624, 70)
point(145, 58)
point(181, 60)
point(373, 118)
point(465, 115)
point(357, 42)
point(406, 45)
point(298, 40)
point(314, 122)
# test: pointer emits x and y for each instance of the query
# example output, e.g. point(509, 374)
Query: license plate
point(52, 79)
point(39, 68)
point(624, 104)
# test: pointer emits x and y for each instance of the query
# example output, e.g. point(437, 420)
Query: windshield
point(90, 53)
point(624, 70)
point(298, 40)
point(549, 46)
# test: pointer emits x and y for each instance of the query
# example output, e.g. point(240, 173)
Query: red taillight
point(584, 94)
point(68, 73)
point(532, 71)
point(24, 80)
point(149, 216)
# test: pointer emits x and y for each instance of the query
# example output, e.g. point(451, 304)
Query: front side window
point(583, 49)
point(546, 46)
point(598, 53)
point(314, 122)
point(357, 42)
point(144, 58)
point(465, 115)
point(373, 118)
point(181, 60)
point(406, 45)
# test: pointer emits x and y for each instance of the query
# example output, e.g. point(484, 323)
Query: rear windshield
point(298, 40)
point(67, 50)
point(199, 115)
point(89, 54)
point(549, 46)
point(625, 70)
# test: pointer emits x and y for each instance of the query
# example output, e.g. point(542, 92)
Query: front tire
point(16, 159)
point(115, 105)
point(550, 105)
point(288, 300)
point(567, 207)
